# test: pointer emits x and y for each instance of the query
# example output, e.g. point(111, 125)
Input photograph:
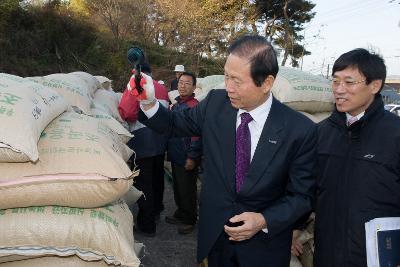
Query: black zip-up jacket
point(359, 180)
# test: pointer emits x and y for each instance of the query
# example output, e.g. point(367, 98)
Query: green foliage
point(7, 9)
point(39, 41)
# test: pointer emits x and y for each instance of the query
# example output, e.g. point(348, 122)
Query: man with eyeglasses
point(184, 154)
point(359, 161)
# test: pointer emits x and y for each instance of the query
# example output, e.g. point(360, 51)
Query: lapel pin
point(272, 141)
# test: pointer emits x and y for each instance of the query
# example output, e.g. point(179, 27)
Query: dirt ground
point(168, 248)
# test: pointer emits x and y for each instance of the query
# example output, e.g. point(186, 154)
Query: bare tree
point(202, 28)
point(126, 19)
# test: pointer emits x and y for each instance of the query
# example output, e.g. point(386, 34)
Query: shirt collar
point(260, 113)
point(359, 116)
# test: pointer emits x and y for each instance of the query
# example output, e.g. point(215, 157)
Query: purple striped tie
point(243, 149)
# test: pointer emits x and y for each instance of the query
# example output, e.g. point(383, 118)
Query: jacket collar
point(183, 99)
point(374, 110)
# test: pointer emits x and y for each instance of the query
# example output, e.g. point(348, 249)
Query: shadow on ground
point(168, 248)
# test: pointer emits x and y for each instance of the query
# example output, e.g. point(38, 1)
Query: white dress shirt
point(349, 117)
point(259, 115)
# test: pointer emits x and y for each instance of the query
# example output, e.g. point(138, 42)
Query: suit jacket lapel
point(270, 140)
point(227, 135)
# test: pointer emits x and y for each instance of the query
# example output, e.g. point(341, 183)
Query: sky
point(342, 25)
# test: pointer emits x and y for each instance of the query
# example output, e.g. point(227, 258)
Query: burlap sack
point(55, 261)
point(203, 93)
point(91, 81)
point(210, 82)
point(132, 196)
point(316, 117)
point(207, 83)
point(104, 233)
point(303, 91)
point(64, 261)
point(108, 102)
point(73, 88)
point(139, 250)
point(82, 164)
point(198, 91)
point(25, 110)
point(119, 95)
point(307, 239)
point(105, 83)
point(113, 124)
point(172, 95)
point(295, 262)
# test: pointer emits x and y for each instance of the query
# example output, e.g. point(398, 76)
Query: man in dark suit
point(259, 161)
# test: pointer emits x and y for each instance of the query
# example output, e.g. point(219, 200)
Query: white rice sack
point(198, 91)
point(104, 82)
point(119, 95)
point(107, 101)
point(26, 108)
point(48, 261)
point(303, 91)
point(295, 262)
point(100, 234)
point(120, 128)
point(316, 117)
point(198, 82)
point(132, 196)
point(172, 95)
point(321, 116)
point(207, 83)
point(91, 81)
point(210, 82)
point(82, 164)
point(73, 88)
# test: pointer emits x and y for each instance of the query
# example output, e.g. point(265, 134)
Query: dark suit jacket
point(280, 182)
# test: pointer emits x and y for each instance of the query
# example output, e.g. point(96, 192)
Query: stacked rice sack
point(105, 108)
point(204, 85)
point(309, 94)
point(62, 176)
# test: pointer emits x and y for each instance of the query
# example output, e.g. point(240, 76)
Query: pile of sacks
point(63, 173)
point(309, 94)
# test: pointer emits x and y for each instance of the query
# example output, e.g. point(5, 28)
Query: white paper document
point(371, 229)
